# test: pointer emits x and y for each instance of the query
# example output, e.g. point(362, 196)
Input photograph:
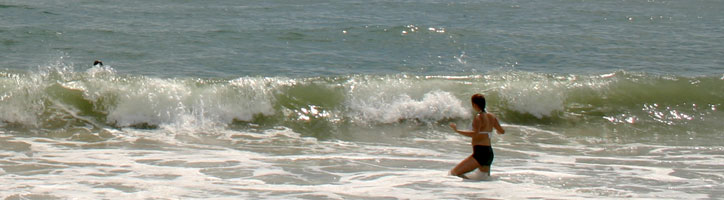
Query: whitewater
point(97, 134)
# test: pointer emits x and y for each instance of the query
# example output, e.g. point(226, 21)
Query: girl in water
point(483, 125)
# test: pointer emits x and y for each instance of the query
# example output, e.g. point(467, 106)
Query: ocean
point(309, 99)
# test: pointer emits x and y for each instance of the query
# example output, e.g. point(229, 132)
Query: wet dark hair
point(479, 100)
point(97, 62)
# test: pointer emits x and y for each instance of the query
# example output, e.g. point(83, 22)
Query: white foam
point(538, 97)
point(158, 101)
point(273, 171)
point(277, 167)
point(548, 174)
point(21, 98)
point(136, 100)
point(434, 106)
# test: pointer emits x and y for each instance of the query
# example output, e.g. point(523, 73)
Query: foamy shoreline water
point(97, 134)
point(283, 164)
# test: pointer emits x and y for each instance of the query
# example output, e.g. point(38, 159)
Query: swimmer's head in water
point(97, 62)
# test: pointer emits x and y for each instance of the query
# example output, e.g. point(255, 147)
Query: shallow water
point(96, 134)
point(282, 164)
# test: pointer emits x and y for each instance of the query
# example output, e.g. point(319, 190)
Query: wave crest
point(59, 98)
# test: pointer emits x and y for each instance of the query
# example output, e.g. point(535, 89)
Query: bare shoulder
point(490, 115)
point(479, 116)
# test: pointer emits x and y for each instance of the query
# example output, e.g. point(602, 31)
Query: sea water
point(351, 99)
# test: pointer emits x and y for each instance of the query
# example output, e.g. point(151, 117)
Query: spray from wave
point(57, 97)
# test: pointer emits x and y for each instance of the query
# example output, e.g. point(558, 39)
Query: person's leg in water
point(484, 155)
point(465, 166)
point(485, 170)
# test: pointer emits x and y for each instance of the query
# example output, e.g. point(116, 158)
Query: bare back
point(482, 125)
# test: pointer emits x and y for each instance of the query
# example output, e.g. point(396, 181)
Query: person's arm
point(472, 133)
point(497, 126)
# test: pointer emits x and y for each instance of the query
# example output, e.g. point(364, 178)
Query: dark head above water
point(97, 62)
point(479, 101)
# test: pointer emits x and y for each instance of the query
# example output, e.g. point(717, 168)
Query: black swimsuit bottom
point(483, 154)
